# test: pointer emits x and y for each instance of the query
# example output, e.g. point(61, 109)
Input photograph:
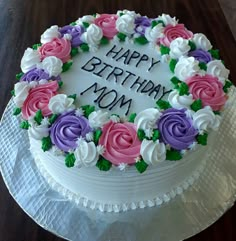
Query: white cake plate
point(184, 216)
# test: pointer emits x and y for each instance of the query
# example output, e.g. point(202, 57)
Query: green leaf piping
point(103, 164)
point(104, 41)
point(46, 143)
point(141, 166)
point(17, 111)
point(172, 65)
point(196, 105)
point(121, 37)
point(132, 117)
point(70, 160)
point(164, 50)
point(96, 136)
point(202, 139)
point(84, 47)
point(141, 134)
point(24, 125)
point(66, 66)
point(38, 117)
point(141, 40)
point(173, 155)
point(156, 135)
point(163, 105)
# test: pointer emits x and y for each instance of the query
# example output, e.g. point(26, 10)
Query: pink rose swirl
point(38, 99)
point(107, 22)
point(121, 142)
point(58, 47)
point(209, 89)
point(172, 32)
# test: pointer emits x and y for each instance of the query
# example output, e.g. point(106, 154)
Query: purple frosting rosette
point(200, 55)
point(37, 75)
point(75, 32)
point(176, 129)
point(141, 23)
point(66, 130)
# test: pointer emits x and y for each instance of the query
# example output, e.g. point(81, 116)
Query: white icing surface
point(158, 74)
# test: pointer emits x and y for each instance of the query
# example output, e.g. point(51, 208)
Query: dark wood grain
point(21, 24)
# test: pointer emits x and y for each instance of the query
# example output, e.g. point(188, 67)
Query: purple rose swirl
point(141, 24)
point(75, 32)
point(66, 130)
point(200, 55)
point(37, 75)
point(176, 129)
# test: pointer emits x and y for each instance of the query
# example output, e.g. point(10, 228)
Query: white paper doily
point(185, 215)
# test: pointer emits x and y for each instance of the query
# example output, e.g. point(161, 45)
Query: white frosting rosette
point(29, 60)
point(201, 41)
point(98, 118)
point(205, 119)
point(92, 36)
point(85, 19)
point(186, 67)
point(125, 24)
point(60, 103)
point(146, 120)
point(128, 12)
point(179, 47)
point(153, 152)
point(86, 154)
point(37, 132)
point(52, 65)
point(180, 101)
point(21, 91)
point(153, 34)
point(216, 68)
point(167, 19)
point(50, 34)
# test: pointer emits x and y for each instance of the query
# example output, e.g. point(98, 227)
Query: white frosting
point(98, 118)
point(153, 152)
point(21, 90)
point(86, 154)
point(29, 60)
point(186, 67)
point(147, 119)
point(201, 41)
point(179, 47)
point(125, 24)
point(167, 19)
point(37, 132)
point(128, 12)
point(52, 65)
point(180, 101)
point(50, 34)
point(60, 103)
point(216, 68)
point(205, 119)
point(67, 36)
point(153, 34)
point(93, 35)
point(85, 19)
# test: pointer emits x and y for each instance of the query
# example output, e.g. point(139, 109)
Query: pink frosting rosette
point(172, 32)
point(209, 89)
point(121, 142)
point(58, 47)
point(107, 22)
point(38, 99)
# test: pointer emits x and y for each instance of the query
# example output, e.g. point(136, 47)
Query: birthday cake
point(121, 109)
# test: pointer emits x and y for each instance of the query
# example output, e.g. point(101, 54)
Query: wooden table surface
point(21, 24)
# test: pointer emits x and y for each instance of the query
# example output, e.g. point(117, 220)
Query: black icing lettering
point(115, 72)
point(114, 52)
point(134, 55)
point(100, 71)
point(164, 92)
point(150, 85)
point(122, 103)
point(140, 84)
point(144, 57)
point(125, 55)
point(110, 93)
point(95, 89)
point(155, 90)
point(127, 77)
point(92, 63)
point(153, 63)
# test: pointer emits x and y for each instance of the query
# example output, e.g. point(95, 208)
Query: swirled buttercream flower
point(153, 34)
point(52, 65)
point(167, 19)
point(75, 33)
point(125, 24)
point(176, 129)
point(29, 60)
point(172, 32)
point(201, 41)
point(107, 22)
point(141, 23)
point(50, 34)
point(121, 142)
point(58, 47)
point(200, 55)
point(66, 130)
point(180, 101)
point(38, 99)
point(179, 47)
point(35, 75)
point(21, 90)
point(209, 89)
point(98, 118)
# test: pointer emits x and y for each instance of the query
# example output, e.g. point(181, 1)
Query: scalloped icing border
point(123, 207)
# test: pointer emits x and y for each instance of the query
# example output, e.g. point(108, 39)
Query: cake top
point(121, 90)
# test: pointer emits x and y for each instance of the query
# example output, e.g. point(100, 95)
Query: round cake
point(120, 108)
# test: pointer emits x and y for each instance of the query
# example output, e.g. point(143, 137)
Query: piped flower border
point(89, 137)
